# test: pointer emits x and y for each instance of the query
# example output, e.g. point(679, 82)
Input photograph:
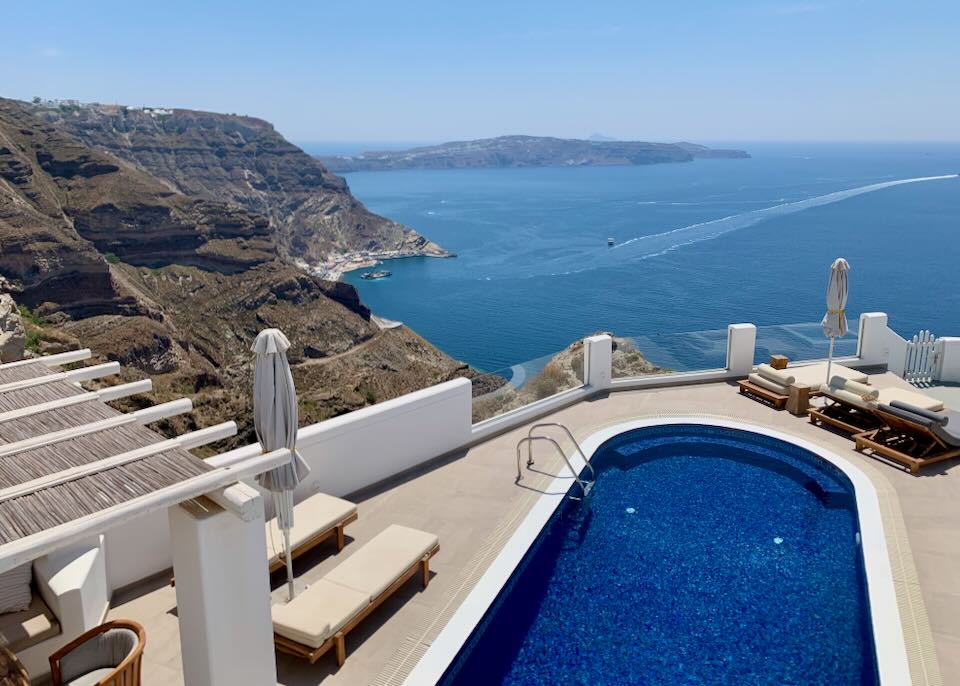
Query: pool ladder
point(586, 485)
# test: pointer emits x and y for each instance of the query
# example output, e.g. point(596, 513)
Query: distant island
point(526, 151)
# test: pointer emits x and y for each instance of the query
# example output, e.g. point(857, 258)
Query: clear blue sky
point(429, 71)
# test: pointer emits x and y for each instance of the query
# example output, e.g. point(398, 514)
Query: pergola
point(72, 467)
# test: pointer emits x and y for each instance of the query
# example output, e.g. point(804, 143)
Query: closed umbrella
point(275, 420)
point(835, 320)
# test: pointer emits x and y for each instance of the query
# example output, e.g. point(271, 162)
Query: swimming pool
point(705, 555)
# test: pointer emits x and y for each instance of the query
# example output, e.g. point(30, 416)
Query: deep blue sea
point(753, 577)
point(697, 246)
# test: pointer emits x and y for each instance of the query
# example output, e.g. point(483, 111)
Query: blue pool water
point(704, 556)
point(699, 246)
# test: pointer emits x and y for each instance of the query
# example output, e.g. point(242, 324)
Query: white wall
point(949, 371)
point(138, 549)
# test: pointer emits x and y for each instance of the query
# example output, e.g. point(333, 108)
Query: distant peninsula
point(526, 151)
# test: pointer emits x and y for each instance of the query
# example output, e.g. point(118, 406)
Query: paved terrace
point(472, 503)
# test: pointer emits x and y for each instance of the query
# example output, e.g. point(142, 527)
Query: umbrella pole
point(289, 556)
point(830, 359)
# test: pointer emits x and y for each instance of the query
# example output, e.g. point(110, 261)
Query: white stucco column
point(741, 346)
point(874, 344)
point(223, 590)
point(948, 370)
point(597, 361)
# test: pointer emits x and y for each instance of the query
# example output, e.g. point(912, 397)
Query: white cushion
point(317, 613)
point(814, 375)
point(15, 591)
point(317, 513)
point(764, 382)
point(780, 376)
point(381, 561)
point(891, 393)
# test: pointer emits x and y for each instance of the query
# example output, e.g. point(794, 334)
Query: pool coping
point(888, 637)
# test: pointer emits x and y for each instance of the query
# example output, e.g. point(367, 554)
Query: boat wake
point(654, 245)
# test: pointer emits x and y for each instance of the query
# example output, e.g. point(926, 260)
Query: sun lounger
point(773, 385)
point(912, 436)
point(852, 411)
point(314, 520)
point(321, 616)
point(769, 385)
point(814, 375)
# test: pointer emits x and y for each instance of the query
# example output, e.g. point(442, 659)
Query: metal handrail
point(585, 486)
point(593, 473)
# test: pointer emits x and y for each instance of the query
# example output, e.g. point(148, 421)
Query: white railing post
point(597, 361)
point(948, 366)
point(874, 344)
point(741, 347)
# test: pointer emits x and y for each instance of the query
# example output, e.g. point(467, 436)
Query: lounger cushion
point(949, 433)
point(934, 417)
point(891, 394)
point(317, 513)
point(378, 563)
point(814, 375)
point(317, 613)
point(764, 382)
point(911, 416)
point(20, 630)
point(776, 375)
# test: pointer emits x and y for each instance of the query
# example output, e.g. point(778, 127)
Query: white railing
point(922, 358)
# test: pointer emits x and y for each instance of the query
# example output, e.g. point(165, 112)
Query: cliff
point(526, 151)
point(242, 160)
point(107, 256)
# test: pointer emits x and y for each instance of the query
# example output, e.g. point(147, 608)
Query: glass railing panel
point(503, 390)
point(803, 341)
point(666, 353)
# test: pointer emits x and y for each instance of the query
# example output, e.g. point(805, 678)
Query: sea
point(696, 246)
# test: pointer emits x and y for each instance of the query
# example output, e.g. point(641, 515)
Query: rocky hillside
point(102, 254)
point(526, 151)
point(244, 161)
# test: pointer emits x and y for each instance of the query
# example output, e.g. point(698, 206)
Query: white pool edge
point(889, 644)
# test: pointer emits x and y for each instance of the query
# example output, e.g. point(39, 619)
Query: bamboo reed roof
point(35, 492)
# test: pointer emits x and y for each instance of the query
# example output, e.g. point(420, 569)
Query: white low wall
point(137, 549)
point(949, 368)
point(367, 446)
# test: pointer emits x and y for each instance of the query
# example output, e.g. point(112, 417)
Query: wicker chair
point(107, 655)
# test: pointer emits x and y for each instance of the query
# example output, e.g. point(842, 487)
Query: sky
point(791, 70)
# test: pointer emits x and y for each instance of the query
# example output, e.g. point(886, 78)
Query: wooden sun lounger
point(321, 616)
point(905, 442)
point(315, 519)
point(859, 417)
point(844, 416)
point(759, 392)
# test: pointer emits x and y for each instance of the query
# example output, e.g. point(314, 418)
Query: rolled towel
point(934, 417)
point(847, 396)
point(776, 375)
point(861, 389)
point(763, 382)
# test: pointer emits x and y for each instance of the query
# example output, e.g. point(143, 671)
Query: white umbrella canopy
point(275, 419)
point(835, 320)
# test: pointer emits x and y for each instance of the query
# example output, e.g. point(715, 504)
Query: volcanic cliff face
point(245, 161)
point(176, 288)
